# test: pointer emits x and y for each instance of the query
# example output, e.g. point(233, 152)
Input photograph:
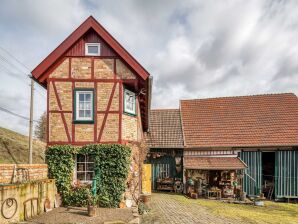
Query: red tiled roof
point(165, 129)
point(260, 120)
point(214, 163)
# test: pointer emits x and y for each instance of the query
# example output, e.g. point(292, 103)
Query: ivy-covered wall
point(112, 160)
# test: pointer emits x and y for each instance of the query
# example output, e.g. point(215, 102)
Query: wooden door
point(146, 179)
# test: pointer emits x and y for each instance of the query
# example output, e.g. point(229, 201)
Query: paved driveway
point(169, 208)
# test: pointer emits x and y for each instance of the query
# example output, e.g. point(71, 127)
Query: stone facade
point(102, 75)
point(104, 68)
point(81, 68)
point(62, 71)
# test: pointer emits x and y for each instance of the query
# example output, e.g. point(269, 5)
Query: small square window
point(84, 168)
point(129, 102)
point(92, 49)
point(83, 106)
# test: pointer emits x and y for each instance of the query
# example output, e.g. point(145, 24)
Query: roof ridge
point(241, 96)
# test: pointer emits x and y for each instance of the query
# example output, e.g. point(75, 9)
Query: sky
point(193, 49)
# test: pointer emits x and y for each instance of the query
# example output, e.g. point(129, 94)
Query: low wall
point(19, 202)
point(16, 173)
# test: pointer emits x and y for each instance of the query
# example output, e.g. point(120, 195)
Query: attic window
point(92, 49)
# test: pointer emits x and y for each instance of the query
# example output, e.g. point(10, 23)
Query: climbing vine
point(112, 160)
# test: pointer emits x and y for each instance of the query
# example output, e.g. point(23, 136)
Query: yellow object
point(146, 179)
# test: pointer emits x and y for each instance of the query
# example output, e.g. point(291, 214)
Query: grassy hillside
point(14, 148)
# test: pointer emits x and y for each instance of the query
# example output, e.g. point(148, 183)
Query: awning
point(214, 163)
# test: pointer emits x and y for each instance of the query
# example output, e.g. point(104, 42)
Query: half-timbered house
point(96, 92)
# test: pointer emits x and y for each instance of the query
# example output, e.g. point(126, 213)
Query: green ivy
point(113, 161)
point(77, 197)
point(60, 160)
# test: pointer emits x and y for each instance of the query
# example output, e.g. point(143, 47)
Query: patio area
point(79, 215)
point(173, 208)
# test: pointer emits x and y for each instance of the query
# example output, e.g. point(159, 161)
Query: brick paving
point(73, 215)
point(167, 208)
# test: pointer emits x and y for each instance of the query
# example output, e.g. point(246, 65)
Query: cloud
point(193, 49)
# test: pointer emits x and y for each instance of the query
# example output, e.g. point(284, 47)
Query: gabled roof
point(165, 129)
point(245, 121)
point(89, 23)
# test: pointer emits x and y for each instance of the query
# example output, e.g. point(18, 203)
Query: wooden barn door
point(252, 180)
point(159, 171)
point(286, 174)
point(146, 179)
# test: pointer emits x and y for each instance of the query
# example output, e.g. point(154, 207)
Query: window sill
point(130, 114)
point(83, 122)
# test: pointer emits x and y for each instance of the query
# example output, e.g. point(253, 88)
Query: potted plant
point(190, 182)
point(92, 204)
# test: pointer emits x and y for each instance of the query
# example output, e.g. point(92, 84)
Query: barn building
point(247, 143)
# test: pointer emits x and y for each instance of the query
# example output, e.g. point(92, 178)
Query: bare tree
point(41, 128)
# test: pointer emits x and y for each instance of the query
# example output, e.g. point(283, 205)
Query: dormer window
point(129, 102)
point(92, 49)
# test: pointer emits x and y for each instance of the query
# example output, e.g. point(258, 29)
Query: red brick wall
point(36, 171)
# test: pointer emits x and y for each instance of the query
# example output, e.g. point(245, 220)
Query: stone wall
point(24, 201)
point(133, 189)
point(10, 173)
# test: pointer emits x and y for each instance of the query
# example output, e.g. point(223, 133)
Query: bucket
point(259, 203)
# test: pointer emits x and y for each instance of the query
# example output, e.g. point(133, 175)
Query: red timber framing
point(106, 112)
point(61, 111)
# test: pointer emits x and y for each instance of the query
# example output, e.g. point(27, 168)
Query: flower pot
point(190, 182)
point(122, 204)
point(91, 210)
point(145, 198)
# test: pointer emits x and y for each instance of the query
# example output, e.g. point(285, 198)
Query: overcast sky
point(193, 49)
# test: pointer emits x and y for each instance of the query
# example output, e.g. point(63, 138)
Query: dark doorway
point(268, 161)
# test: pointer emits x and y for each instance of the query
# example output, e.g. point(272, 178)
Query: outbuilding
point(233, 144)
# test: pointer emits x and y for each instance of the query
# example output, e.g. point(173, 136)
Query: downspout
point(150, 80)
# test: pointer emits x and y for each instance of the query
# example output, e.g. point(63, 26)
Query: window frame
point(86, 171)
point(135, 106)
point(76, 120)
point(92, 44)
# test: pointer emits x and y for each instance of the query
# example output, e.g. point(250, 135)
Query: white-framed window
point(129, 102)
point(84, 168)
point(92, 49)
point(84, 105)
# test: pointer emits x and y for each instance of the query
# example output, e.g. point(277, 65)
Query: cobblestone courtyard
point(170, 208)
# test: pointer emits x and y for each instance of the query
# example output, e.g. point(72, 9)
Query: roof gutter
point(150, 82)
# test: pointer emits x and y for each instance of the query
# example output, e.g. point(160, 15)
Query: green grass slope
point(14, 148)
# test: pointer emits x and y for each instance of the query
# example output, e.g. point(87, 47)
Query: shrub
point(77, 197)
